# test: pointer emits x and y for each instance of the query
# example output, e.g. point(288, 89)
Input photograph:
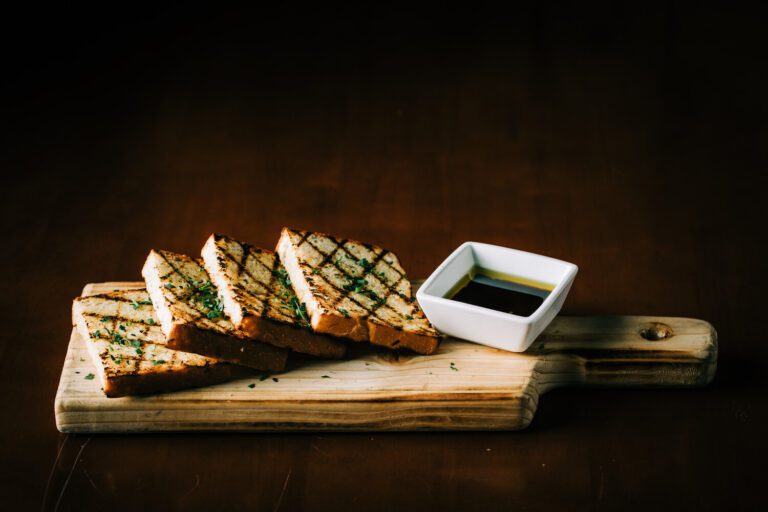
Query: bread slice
point(128, 348)
point(355, 290)
point(258, 298)
point(192, 317)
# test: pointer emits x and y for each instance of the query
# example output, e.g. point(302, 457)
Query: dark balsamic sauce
point(500, 292)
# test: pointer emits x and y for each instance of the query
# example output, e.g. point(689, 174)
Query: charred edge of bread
point(293, 337)
point(163, 382)
point(252, 354)
point(352, 328)
point(390, 337)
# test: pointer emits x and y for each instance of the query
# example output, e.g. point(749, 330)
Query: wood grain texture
point(464, 386)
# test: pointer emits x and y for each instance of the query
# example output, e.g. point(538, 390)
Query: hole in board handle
point(656, 331)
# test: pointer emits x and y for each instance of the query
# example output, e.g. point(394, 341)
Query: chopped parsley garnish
point(283, 277)
point(356, 284)
point(97, 333)
point(90, 376)
point(150, 321)
point(138, 303)
point(251, 385)
point(367, 265)
point(107, 318)
point(344, 312)
point(158, 361)
point(408, 317)
point(115, 337)
point(121, 327)
point(380, 274)
point(453, 367)
point(139, 351)
point(300, 309)
point(325, 377)
point(275, 379)
point(169, 286)
point(207, 295)
point(118, 359)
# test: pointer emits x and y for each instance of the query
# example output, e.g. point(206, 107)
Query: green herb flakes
point(356, 284)
point(136, 304)
point(90, 376)
point(283, 277)
point(206, 295)
point(300, 309)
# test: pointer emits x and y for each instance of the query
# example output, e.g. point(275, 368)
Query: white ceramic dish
point(486, 326)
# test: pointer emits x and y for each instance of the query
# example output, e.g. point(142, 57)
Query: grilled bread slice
point(258, 298)
point(355, 290)
point(129, 350)
point(192, 316)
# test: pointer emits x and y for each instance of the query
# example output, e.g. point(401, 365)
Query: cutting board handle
point(632, 351)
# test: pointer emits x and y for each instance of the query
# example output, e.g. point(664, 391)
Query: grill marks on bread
point(355, 290)
point(258, 297)
point(191, 314)
point(129, 349)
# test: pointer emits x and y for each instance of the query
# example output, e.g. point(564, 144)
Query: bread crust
point(390, 337)
point(259, 356)
point(295, 338)
point(190, 377)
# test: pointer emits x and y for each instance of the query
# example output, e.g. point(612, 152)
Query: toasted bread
point(257, 297)
point(192, 317)
point(355, 290)
point(128, 348)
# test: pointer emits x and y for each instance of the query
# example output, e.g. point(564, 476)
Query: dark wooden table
point(630, 142)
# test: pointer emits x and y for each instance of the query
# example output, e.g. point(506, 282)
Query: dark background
point(629, 140)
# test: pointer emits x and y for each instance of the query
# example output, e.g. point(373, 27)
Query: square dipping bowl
point(497, 329)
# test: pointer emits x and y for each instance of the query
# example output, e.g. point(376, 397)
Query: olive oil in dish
point(500, 292)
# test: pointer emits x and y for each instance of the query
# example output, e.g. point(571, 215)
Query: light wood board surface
point(464, 386)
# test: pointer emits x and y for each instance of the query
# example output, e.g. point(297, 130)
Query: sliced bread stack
point(241, 308)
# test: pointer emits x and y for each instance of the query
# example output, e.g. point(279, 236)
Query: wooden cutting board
point(463, 387)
